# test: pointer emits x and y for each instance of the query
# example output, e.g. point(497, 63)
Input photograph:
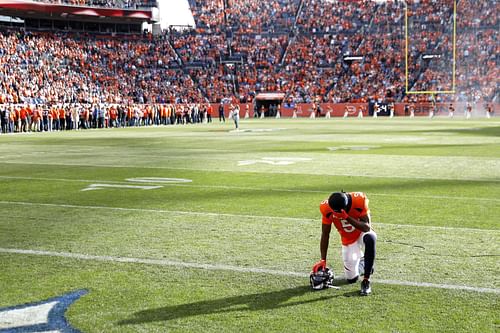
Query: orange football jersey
point(359, 208)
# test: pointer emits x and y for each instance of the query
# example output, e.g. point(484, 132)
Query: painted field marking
point(221, 267)
point(407, 139)
point(45, 316)
point(354, 148)
point(279, 218)
point(101, 186)
point(495, 180)
point(94, 187)
point(275, 161)
point(180, 182)
point(157, 180)
point(30, 316)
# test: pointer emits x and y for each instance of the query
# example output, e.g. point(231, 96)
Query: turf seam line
point(220, 267)
point(161, 211)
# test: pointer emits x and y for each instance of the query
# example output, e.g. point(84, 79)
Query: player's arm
point(363, 223)
point(325, 239)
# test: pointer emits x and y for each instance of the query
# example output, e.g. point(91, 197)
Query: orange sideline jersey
point(359, 208)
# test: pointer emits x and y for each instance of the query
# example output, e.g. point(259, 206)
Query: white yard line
point(495, 180)
point(220, 267)
point(445, 197)
point(280, 218)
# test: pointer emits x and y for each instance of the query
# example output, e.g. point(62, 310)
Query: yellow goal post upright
point(431, 92)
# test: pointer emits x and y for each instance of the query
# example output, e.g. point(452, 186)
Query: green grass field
point(231, 250)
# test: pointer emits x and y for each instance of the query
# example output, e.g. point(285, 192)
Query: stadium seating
point(242, 47)
point(53, 68)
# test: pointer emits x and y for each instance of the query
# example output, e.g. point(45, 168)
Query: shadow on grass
point(476, 131)
point(251, 302)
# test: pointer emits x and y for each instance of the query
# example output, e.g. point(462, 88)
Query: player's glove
point(319, 265)
point(342, 215)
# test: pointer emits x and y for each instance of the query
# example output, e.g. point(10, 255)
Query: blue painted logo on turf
point(41, 316)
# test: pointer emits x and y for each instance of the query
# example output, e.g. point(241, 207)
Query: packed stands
point(477, 50)
point(198, 48)
point(52, 68)
point(216, 82)
point(260, 51)
point(242, 47)
point(256, 16)
point(208, 15)
point(320, 16)
point(477, 14)
point(478, 65)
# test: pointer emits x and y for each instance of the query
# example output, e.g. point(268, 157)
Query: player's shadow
point(251, 302)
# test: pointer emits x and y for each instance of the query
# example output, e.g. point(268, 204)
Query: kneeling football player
point(350, 215)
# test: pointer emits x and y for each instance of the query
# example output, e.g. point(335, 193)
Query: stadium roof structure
point(270, 96)
point(32, 9)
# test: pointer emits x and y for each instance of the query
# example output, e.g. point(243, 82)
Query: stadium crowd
point(256, 16)
point(76, 116)
point(44, 68)
point(216, 82)
point(242, 47)
point(320, 16)
point(209, 16)
point(194, 48)
point(477, 49)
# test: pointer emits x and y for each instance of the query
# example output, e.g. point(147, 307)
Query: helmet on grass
point(321, 279)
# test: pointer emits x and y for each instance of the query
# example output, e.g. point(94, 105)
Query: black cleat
point(365, 288)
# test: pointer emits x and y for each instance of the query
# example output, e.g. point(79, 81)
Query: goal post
point(431, 69)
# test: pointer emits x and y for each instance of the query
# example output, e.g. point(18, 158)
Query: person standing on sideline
point(468, 111)
point(247, 111)
point(236, 116)
point(209, 113)
point(451, 110)
point(23, 115)
point(221, 112)
point(350, 215)
point(62, 117)
point(4, 118)
point(75, 117)
point(489, 110)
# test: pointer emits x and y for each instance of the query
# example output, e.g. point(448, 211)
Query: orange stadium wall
point(422, 109)
point(335, 109)
point(338, 109)
point(303, 110)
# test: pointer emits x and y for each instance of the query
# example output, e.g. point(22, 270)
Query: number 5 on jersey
point(347, 226)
